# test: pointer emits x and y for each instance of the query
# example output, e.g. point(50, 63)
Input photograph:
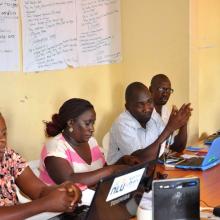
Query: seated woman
point(15, 171)
point(73, 153)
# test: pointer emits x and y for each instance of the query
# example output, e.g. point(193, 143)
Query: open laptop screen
point(117, 197)
point(176, 199)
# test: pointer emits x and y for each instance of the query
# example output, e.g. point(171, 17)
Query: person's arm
point(61, 198)
point(177, 120)
point(180, 139)
point(60, 170)
point(56, 201)
point(129, 160)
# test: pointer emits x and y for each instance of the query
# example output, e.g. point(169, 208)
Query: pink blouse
point(59, 147)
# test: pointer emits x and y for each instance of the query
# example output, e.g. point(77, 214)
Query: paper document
point(49, 34)
point(87, 196)
point(9, 33)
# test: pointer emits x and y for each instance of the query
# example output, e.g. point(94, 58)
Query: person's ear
point(70, 124)
point(126, 106)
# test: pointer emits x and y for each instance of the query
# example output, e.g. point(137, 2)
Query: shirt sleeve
point(18, 163)
point(56, 148)
point(126, 139)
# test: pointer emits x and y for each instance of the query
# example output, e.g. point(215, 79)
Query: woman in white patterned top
point(15, 171)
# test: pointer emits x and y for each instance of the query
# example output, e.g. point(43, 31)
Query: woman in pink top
point(72, 153)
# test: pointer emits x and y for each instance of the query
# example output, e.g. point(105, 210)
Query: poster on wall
point(98, 32)
point(76, 33)
point(9, 35)
point(49, 34)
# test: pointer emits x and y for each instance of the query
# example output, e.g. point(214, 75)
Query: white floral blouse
point(11, 166)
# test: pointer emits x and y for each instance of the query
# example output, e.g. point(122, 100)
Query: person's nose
point(148, 107)
point(91, 128)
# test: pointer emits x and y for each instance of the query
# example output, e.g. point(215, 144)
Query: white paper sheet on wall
point(9, 35)
point(49, 34)
point(98, 31)
point(70, 32)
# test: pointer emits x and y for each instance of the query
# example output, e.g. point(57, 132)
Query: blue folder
point(211, 159)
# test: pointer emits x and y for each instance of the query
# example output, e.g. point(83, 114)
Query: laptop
point(176, 199)
point(211, 138)
point(116, 197)
point(211, 159)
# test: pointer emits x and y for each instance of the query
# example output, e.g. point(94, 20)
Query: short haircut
point(131, 90)
point(157, 79)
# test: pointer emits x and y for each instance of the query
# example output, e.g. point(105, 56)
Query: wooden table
point(209, 182)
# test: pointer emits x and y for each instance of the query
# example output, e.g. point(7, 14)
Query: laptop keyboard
point(78, 214)
point(193, 161)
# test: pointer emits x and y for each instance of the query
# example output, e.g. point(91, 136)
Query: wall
point(26, 100)
point(209, 66)
point(155, 39)
point(194, 71)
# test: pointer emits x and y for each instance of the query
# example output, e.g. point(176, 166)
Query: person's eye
point(88, 123)
point(3, 134)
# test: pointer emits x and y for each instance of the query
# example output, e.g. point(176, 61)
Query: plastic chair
point(105, 144)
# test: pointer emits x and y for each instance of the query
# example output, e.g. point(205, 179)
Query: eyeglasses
point(167, 90)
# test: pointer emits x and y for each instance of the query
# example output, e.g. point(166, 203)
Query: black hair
point(157, 79)
point(71, 109)
point(131, 90)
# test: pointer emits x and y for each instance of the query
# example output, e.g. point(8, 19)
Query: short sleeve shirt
point(59, 147)
point(11, 166)
point(128, 136)
point(164, 118)
point(165, 114)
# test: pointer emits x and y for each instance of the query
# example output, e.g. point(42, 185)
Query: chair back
point(105, 144)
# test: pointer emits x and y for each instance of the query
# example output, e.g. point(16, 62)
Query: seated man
point(136, 133)
point(160, 89)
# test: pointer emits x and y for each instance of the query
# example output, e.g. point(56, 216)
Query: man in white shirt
point(161, 90)
point(135, 133)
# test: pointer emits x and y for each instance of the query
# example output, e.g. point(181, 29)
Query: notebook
point(116, 198)
point(211, 159)
point(176, 199)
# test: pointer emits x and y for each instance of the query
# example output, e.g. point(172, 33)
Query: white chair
point(105, 144)
point(34, 165)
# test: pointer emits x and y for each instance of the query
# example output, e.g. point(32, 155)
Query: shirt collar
point(132, 120)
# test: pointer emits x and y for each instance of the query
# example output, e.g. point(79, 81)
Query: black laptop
point(116, 197)
point(176, 199)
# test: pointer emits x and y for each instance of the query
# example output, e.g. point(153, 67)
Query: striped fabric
point(59, 147)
